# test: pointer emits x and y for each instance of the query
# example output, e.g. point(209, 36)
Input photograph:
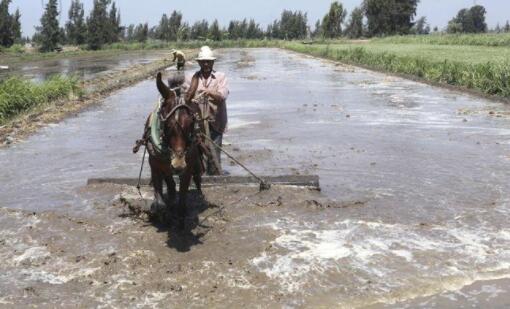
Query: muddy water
point(85, 67)
point(416, 178)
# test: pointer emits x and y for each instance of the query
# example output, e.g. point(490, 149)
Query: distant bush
point(18, 95)
point(16, 48)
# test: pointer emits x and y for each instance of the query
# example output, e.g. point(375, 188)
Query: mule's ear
point(163, 89)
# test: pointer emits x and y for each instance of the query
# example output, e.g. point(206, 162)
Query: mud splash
point(118, 257)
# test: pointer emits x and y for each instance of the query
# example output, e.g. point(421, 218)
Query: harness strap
point(173, 110)
point(157, 120)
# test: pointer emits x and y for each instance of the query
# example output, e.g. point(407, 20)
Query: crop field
point(490, 39)
point(477, 62)
point(435, 53)
point(485, 69)
point(18, 95)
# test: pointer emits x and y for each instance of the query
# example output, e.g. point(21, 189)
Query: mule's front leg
point(197, 170)
point(197, 179)
point(184, 182)
point(170, 185)
point(157, 184)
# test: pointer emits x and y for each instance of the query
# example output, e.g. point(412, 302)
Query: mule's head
point(178, 127)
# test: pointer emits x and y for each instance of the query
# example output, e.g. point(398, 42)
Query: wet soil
point(414, 207)
point(86, 65)
point(125, 255)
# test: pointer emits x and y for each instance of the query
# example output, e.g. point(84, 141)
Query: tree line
point(103, 25)
point(10, 25)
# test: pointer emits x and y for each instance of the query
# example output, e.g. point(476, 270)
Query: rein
point(190, 138)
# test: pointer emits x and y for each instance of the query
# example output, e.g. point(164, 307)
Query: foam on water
point(236, 106)
point(428, 259)
point(238, 123)
point(152, 300)
point(30, 255)
point(4, 301)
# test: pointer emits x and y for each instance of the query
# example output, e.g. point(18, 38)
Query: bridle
point(191, 137)
point(174, 110)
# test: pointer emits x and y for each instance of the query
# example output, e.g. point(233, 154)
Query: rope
point(140, 176)
point(263, 184)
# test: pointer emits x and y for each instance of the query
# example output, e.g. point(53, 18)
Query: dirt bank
point(95, 89)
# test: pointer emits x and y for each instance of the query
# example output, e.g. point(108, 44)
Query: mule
point(178, 152)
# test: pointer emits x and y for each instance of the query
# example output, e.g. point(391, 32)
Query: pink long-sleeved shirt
point(217, 81)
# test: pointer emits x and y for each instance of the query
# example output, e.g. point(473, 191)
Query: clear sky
point(438, 12)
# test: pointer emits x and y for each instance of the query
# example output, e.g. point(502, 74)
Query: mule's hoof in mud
point(181, 224)
point(169, 199)
point(158, 207)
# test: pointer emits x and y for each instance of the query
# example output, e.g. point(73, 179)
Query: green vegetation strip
point(489, 77)
point(18, 95)
point(193, 44)
point(489, 39)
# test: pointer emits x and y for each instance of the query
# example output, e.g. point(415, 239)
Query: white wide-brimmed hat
point(205, 54)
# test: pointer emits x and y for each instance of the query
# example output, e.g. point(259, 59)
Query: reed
point(486, 39)
point(18, 95)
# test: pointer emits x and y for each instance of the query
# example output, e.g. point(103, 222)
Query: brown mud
point(126, 256)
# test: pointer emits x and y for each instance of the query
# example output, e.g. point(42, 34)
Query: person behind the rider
point(214, 85)
point(181, 59)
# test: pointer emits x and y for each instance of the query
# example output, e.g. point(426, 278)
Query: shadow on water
point(167, 221)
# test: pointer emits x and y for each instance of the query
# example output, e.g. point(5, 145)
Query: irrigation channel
point(414, 211)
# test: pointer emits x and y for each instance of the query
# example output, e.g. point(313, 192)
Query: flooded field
point(85, 66)
point(414, 209)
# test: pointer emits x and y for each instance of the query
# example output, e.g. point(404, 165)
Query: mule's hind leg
point(171, 192)
point(197, 179)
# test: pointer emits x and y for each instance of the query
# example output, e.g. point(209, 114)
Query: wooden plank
point(208, 181)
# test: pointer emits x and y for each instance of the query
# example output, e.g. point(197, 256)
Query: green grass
point(435, 53)
point(191, 44)
point(18, 95)
point(489, 39)
point(485, 69)
point(14, 49)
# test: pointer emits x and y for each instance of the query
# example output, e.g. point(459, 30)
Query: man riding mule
point(209, 89)
point(176, 132)
point(172, 138)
